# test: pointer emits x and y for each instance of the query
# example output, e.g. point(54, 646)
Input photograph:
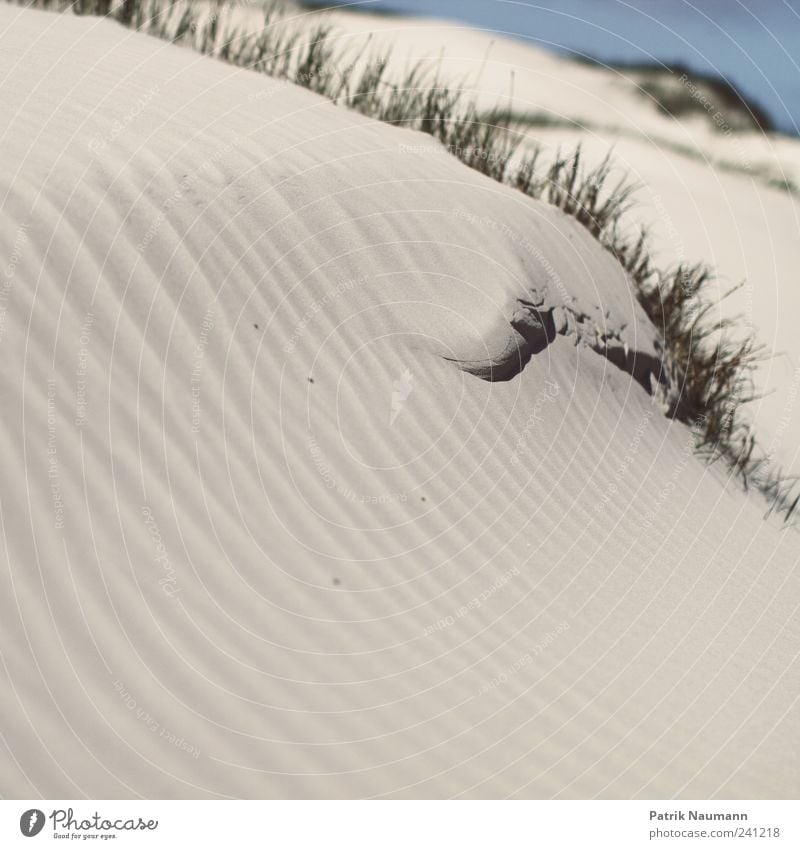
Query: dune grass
point(708, 371)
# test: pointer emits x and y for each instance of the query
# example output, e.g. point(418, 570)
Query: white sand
point(223, 579)
point(705, 192)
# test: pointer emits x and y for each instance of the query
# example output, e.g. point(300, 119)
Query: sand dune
point(267, 531)
point(706, 193)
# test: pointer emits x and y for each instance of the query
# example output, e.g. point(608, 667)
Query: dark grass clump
point(706, 373)
point(585, 195)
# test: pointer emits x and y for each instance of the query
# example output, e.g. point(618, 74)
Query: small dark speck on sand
point(336, 582)
point(423, 498)
point(256, 326)
point(310, 379)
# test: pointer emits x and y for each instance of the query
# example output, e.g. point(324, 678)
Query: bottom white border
point(401, 825)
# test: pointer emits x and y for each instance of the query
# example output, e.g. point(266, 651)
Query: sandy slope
point(263, 537)
point(707, 194)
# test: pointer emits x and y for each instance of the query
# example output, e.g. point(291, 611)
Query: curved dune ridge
point(263, 537)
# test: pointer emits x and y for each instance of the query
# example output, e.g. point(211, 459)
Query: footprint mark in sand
point(536, 327)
